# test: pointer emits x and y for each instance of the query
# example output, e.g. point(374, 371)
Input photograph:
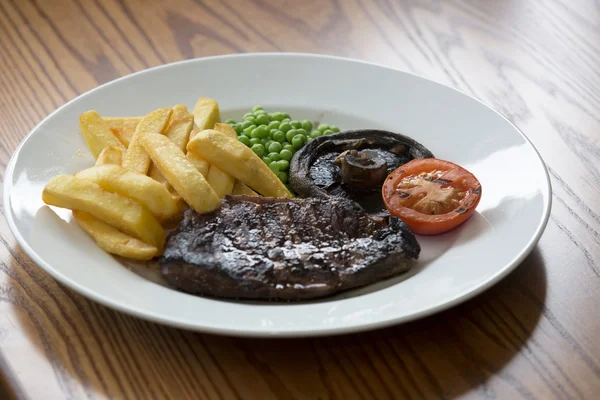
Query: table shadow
point(441, 356)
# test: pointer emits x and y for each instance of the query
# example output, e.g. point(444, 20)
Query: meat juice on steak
point(284, 249)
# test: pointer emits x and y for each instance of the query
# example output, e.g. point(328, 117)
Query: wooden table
point(533, 336)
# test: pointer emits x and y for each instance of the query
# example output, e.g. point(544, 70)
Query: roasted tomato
point(432, 196)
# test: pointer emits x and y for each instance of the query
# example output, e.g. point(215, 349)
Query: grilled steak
point(267, 248)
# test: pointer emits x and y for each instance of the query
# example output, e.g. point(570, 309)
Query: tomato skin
point(458, 188)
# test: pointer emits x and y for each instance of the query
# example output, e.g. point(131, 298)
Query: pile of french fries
point(148, 169)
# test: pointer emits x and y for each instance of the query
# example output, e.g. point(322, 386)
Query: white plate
point(351, 94)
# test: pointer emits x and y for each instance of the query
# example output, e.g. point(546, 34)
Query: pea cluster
point(275, 137)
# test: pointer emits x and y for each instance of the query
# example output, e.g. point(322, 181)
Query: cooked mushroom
point(362, 169)
point(352, 164)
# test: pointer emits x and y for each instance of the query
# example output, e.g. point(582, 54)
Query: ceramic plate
point(351, 94)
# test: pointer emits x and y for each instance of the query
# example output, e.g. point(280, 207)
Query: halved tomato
point(432, 196)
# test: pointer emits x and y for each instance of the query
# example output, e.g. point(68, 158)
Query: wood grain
point(533, 336)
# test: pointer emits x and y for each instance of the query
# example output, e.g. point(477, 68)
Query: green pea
point(274, 167)
point(246, 124)
point(259, 149)
point(268, 143)
point(272, 132)
point(263, 119)
point(279, 136)
point(259, 112)
point(289, 147)
point(284, 165)
point(285, 126)
point(264, 142)
point(248, 115)
point(256, 108)
point(328, 132)
point(238, 128)
point(316, 134)
point(287, 119)
point(275, 147)
point(254, 141)
point(283, 177)
point(323, 127)
point(307, 125)
point(263, 132)
point(274, 156)
point(255, 133)
point(290, 134)
point(277, 116)
point(296, 124)
point(273, 125)
point(286, 154)
point(298, 141)
point(244, 139)
point(301, 132)
point(334, 128)
point(267, 160)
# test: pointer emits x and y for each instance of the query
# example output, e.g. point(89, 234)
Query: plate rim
point(295, 332)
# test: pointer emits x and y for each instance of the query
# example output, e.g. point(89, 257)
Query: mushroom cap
point(314, 172)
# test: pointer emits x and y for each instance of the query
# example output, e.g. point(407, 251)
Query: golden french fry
point(236, 159)
point(198, 162)
point(96, 133)
point(180, 173)
point(123, 127)
point(179, 110)
point(221, 182)
point(141, 188)
point(129, 216)
point(226, 129)
point(193, 133)
point(110, 155)
point(206, 113)
point(112, 240)
point(135, 158)
point(179, 133)
point(241, 188)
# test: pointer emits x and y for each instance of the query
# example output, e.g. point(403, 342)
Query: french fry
point(67, 191)
point(179, 110)
point(96, 133)
point(112, 240)
point(226, 129)
point(236, 159)
point(179, 133)
point(201, 165)
point(135, 158)
point(123, 127)
point(241, 188)
point(206, 113)
point(221, 182)
point(110, 155)
point(180, 173)
point(141, 188)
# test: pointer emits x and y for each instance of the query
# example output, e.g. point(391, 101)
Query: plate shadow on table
point(442, 356)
